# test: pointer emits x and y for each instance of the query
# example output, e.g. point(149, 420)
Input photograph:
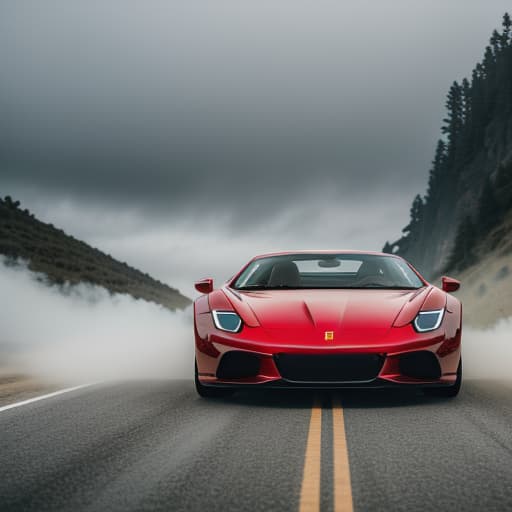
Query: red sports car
point(327, 319)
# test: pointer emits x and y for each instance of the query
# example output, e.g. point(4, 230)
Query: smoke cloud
point(487, 353)
point(83, 333)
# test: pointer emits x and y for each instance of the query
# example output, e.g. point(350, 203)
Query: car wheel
point(208, 391)
point(448, 391)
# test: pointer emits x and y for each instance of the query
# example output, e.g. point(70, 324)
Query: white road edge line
point(44, 397)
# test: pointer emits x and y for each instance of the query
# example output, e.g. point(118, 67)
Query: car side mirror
point(450, 284)
point(204, 286)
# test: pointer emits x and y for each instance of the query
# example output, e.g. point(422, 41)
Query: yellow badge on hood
point(329, 335)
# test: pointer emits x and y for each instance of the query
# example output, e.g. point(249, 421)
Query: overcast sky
point(184, 136)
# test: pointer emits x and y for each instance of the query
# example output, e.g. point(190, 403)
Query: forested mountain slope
point(470, 184)
point(64, 259)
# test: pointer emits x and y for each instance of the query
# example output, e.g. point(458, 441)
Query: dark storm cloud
point(161, 105)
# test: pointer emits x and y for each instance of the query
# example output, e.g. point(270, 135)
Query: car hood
point(350, 314)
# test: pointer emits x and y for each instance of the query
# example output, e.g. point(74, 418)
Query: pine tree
point(465, 147)
point(495, 42)
point(454, 120)
point(413, 229)
point(436, 172)
point(504, 72)
point(489, 83)
point(478, 111)
point(387, 248)
point(503, 187)
point(466, 101)
point(505, 36)
point(463, 253)
point(489, 210)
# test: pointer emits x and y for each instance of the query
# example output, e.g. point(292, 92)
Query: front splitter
point(286, 384)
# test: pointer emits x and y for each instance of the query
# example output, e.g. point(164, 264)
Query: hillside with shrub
point(64, 259)
point(486, 291)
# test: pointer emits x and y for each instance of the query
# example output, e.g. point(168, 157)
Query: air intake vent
point(237, 365)
point(420, 365)
point(329, 368)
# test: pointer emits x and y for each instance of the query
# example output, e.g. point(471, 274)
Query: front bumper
point(441, 350)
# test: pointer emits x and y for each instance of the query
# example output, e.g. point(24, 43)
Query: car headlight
point(428, 320)
point(227, 321)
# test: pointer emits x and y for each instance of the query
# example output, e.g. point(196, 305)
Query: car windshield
point(311, 271)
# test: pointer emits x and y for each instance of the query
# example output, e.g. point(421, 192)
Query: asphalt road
point(157, 446)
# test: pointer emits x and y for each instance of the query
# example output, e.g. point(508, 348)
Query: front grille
point(329, 368)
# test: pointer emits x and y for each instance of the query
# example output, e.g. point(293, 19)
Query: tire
point(210, 391)
point(448, 391)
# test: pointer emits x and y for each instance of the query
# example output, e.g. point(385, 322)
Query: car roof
point(323, 251)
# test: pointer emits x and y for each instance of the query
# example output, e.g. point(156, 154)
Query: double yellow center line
point(310, 490)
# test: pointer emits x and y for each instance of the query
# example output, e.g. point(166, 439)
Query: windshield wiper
point(251, 287)
point(381, 287)
point(266, 287)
